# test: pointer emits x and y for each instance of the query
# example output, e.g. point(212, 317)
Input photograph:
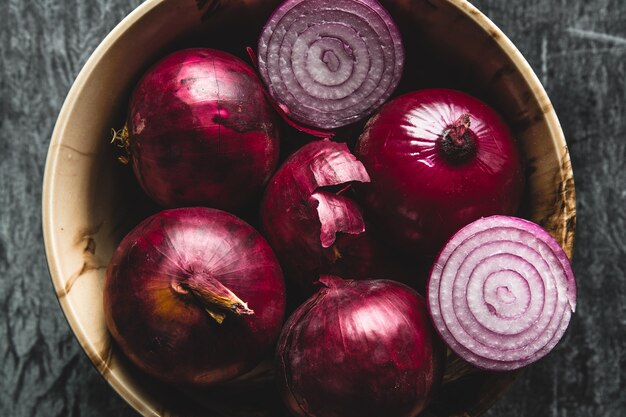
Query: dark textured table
point(576, 47)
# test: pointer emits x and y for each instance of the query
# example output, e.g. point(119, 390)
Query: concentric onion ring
point(501, 293)
point(329, 64)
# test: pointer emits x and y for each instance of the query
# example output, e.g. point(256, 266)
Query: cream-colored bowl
point(90, 200)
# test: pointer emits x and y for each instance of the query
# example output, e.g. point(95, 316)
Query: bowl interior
point(91, 200)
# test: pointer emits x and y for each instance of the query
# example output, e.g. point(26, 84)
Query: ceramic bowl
point(90, 200)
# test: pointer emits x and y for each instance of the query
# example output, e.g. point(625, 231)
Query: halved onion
point(501, 293)
point(329, 64)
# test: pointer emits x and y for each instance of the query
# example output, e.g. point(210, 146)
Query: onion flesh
point(194, 296)
point(501, 293)
point(329, 64)
point(359, 348)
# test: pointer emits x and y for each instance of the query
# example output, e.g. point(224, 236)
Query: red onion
point(501, 293)
point(310, 221)
point(438, 160)
point(201, 132)
point(329, 64)
point(194, 296)
point(359, 348)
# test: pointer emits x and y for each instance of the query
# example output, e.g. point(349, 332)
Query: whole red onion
point(201, 132)
point(501, 293)
point(330, 63)
point(359, 348)
point(310, 220)
point(438, 159)
point(194, 296)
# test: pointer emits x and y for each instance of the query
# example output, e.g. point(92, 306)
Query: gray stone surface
point(578, 50)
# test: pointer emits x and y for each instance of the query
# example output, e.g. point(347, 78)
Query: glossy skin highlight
point(159, 322)
point(359, 349)
point(419, 193)
point(201, 131)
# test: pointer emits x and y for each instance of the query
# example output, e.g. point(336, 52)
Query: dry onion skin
point(306, 222)
point(501, 293)
point(329, 64)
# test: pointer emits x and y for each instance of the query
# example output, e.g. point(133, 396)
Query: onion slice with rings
point(329, 64)
point(501, 293)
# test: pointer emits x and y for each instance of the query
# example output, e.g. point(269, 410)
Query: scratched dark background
point(578, 50)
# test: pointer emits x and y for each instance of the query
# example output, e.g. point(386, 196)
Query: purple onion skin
point(163, 328)
point(424, 190)
point(293, 226)
point(201, 131)
point(359, 349)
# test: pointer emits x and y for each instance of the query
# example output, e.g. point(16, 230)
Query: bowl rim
point(48, 221)
point(52, 160)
